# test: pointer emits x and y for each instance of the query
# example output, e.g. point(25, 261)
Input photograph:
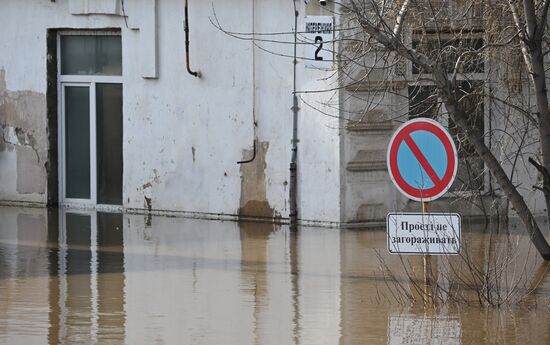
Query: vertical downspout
point(186, 29)
point(293, 188)
point(254, 123)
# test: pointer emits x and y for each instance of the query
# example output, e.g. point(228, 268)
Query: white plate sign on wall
point(318, 37)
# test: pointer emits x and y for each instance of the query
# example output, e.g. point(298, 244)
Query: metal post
point(427, 265)
point(293, 187)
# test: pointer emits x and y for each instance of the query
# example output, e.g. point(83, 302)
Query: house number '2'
point(318, 40)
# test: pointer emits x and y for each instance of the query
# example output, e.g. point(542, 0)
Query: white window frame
point(89, 81)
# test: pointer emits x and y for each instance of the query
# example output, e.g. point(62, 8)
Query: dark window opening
point(423, 102)
point(447, 52)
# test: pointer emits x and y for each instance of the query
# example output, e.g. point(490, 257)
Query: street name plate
point(423, 233)
point(318, 42)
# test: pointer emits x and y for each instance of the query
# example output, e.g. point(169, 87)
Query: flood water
point(74, 277)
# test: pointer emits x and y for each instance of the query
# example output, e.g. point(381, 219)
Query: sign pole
point(422, 163)
point(427, 262)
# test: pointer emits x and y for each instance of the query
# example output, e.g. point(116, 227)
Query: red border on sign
point(402, 135)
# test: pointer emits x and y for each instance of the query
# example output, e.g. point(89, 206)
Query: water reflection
point(410, 329)
point(89, 296)
point(254, 245)
point(374, 285)
point(23, 263)
point(110, 279)
point(100, 278)
point(78, 287)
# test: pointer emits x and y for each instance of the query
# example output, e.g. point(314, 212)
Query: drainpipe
point(186, 29)
point(293, 187)
point(254, 122)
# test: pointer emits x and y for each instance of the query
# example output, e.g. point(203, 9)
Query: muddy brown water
point(74, 277)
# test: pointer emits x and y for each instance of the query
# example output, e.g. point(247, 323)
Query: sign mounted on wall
point(422, 159)
point(318, 37)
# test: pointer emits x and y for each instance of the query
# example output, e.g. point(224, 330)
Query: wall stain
point(254, 242)
point(23, 124)
point(253, 185)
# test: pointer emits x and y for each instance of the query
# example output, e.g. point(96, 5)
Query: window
point(91, 55)
point(470, 174)
point(424, 101)
point(446, 51)
point(91, 117)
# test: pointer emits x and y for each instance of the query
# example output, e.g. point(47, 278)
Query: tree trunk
point(475, 138)
point(543, 114)
point(447, 93)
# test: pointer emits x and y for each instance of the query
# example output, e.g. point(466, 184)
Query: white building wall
point(182, 135)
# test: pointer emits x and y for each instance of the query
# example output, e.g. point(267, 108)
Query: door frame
point(89, 81)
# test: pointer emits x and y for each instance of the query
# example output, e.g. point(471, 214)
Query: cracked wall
point(23, 143)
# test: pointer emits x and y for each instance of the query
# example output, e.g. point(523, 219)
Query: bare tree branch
point(401, 18)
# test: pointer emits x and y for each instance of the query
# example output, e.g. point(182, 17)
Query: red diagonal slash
point(422, 160)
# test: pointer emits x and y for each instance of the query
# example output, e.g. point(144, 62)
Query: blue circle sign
point(422, 159)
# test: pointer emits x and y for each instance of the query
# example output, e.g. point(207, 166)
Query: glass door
point(91, 130)
point(77, 142)
point(109, 143)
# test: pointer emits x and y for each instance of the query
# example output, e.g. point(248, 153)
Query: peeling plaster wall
point(183, 136)
point(23, 144)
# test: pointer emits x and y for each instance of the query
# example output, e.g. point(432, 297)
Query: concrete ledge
point(18, 203)
point(172, 213)
point(371, 127)
point(366, 166)
point(379, 224)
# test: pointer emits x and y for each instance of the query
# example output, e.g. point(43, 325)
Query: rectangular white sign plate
point(318, 39)
point(423, 233)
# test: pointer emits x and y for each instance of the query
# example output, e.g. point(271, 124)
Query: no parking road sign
point(422, 159)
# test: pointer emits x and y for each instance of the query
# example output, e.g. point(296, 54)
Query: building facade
point(99, 109)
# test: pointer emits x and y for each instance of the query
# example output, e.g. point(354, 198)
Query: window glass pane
point(447, 51)
point(109, 143)
point(473, 63)
point(77, 142)
point(470, 173)
point(91, 55)
point(423, 102)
